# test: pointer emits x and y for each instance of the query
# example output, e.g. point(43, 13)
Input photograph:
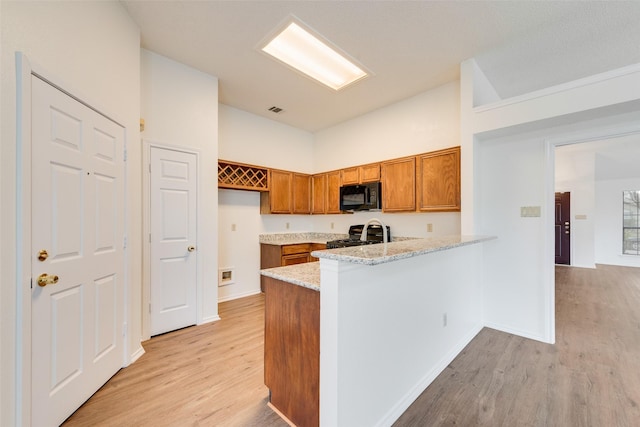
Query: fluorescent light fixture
point(307, 53)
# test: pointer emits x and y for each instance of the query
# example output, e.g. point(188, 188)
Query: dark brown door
point(563, 228)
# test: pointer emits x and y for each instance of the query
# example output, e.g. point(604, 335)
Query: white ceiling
point(411, 46)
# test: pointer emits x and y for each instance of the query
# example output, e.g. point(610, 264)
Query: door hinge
point(124, 329)
point(125, 153)
point(31, 282)
point(124, 242)
point(149, 167)
point(149, 237)
point(149, 308)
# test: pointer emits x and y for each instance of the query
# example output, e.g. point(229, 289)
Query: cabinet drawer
point(295, 259)
point(296, 249)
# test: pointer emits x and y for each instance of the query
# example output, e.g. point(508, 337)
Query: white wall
point(180, 107)
point(609, 221)
point(512, 177)
point(92, 49)
point(371, 315)
point(514, 172)
point(511, 167)
point(426, 122)
point(252, 139)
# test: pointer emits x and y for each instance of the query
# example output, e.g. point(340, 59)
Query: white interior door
point(173, 239)
point(78, 219)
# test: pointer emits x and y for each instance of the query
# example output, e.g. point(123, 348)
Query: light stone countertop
point(309, 237)
point(396, 250)
point(308, 274)
point(294, 238)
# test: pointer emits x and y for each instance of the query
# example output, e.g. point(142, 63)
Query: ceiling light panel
point(309, 54)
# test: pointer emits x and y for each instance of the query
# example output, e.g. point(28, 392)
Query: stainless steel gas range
point(374, 235)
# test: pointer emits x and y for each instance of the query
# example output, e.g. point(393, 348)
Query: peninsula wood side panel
point(292, 351)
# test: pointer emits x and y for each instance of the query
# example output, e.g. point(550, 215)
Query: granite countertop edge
point(295, 238)
point(306, 275)
point(379, 254)
point(279, 239)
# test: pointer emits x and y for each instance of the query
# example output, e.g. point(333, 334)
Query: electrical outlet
point(444, 320)
point(233, 227)
point(332, 226)
point(287, 225)
point(429, 228)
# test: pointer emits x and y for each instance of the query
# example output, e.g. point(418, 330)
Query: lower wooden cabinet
point(295, 259)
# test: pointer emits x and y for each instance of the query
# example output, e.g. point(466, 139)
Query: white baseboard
point(518, 332)
point(210, 319)
point(237, 296)
point(136, 354)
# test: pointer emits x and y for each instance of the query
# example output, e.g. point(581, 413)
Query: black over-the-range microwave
point(361, 197)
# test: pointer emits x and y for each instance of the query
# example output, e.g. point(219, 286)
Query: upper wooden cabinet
point(333, 192)
point(319, 193)
point(370, 173)
point(438, 180)
point(325, 193)
point(350, 176)
point(361, 174)
point(289, 193)
point(399, 185)
point(428, 182)
point(278, 199)
point(301, 194)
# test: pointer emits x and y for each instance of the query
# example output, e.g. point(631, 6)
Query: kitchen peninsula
point(388, 318)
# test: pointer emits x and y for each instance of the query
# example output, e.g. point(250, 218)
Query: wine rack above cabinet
point(241, 176)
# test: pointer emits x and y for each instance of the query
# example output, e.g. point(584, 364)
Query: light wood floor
point(590, 377)
point(212, 375)
point(209, 375)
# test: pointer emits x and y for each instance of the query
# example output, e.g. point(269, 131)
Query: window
point(631, 222)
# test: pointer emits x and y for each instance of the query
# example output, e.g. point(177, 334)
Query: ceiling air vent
point(276, 110)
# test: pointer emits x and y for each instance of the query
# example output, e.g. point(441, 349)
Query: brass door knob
point(43, 255)
point(47, 279)
point(191, 248)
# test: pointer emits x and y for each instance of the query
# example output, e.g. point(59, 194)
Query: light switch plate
point(581, 216)
point(530, 211)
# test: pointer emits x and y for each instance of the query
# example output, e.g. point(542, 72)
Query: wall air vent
point(276, 110)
